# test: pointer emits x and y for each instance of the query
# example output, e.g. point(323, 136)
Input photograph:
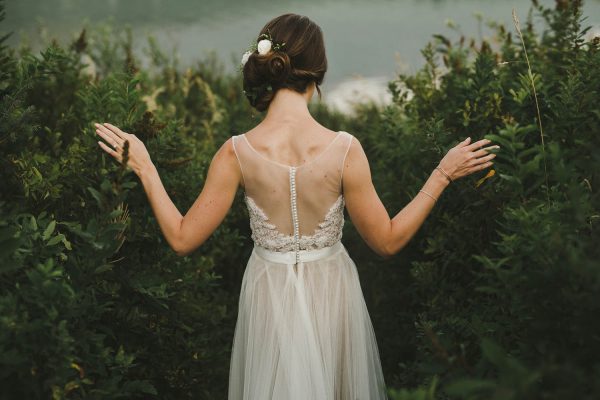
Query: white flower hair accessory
point(246, 56)
point(263, 47)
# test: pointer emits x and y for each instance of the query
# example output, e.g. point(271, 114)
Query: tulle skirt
point(303, 330)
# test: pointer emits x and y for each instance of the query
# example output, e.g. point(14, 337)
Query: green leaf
point(96, 195)
point(49, 230)
point(37, 173)
point(129, 185)
point(492, 352)
point(56, 239)
point(103, 268)
point(67, 243)
point(33, 223)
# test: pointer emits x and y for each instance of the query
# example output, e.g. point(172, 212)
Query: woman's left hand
point(138, 158)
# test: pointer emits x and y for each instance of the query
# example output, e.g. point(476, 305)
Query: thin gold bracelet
point(428, 194)
point(444, 172)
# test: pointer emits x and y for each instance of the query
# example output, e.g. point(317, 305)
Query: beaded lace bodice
point(294, 208)
point(265, 234)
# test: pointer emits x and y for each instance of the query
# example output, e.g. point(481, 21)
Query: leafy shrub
point(502, 281)
point(93, 302)
point(495, 297)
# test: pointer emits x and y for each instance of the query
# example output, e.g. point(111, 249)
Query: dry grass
point(537, 105)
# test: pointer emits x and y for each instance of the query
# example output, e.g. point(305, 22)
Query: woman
point(303, 330)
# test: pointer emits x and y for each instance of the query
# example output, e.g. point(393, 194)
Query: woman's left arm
point(183, 233)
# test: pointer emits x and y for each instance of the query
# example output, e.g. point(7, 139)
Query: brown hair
point(300, 61)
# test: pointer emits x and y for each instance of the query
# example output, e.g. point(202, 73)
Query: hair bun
point(279, 66)
point(264, 75)
point(296, 66)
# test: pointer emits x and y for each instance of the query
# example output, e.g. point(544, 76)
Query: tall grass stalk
point(537, 105)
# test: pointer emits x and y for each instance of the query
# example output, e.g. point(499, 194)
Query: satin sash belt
point(289, 257)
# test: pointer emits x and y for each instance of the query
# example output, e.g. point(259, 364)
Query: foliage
point(494, 298)
point(94, 303)
point(504, 276)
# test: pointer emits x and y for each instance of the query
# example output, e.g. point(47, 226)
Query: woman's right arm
point(388, 236)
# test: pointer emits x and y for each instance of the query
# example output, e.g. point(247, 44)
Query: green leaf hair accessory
point(263, 47)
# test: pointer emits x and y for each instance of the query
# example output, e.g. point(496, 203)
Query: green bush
point(93, 302)
point(494, 298)
point(502, 282)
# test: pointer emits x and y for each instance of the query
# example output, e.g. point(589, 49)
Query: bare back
point(293, 206)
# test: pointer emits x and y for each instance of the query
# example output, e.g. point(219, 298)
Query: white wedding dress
point(303, 330)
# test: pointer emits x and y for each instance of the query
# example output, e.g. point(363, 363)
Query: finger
point(116, 130)
point(464, 142)
point(485, 151)
point(477, 144)
point(481, 166)
point(110, 140)
point(112, 137)
point(110, 151)
point(486, 158)
point(481, 160)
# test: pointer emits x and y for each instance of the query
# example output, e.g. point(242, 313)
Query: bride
point(303, 330)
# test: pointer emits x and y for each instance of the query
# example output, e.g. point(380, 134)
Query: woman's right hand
point(464, 158)
point(138, 157)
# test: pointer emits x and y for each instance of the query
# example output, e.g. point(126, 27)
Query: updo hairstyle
point(299, 62)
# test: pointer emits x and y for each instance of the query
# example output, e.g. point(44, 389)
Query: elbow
point(384, 253)
point(182, 253)
point(181, 250)
point(381, 248)
point(184, 247)
point(388, 250)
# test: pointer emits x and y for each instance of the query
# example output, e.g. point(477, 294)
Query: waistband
point(290, 257)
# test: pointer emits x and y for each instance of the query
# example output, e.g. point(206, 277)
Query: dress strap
point(290, 257)
point(235, 150)
point(343, 166)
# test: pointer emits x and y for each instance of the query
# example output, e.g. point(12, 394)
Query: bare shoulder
point(355, 151)
point(224, 168)
point(226, 151)
point(356, 166)
point(225, 157)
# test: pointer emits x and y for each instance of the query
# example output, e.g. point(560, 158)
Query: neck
point(288, 106)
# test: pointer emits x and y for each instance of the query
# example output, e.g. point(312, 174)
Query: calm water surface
point(369, 39)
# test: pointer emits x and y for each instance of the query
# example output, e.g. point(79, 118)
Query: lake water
point(368, 41)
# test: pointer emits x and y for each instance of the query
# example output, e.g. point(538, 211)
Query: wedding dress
point(303, 331)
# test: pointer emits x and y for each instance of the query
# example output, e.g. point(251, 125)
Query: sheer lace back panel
point(294, 208)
